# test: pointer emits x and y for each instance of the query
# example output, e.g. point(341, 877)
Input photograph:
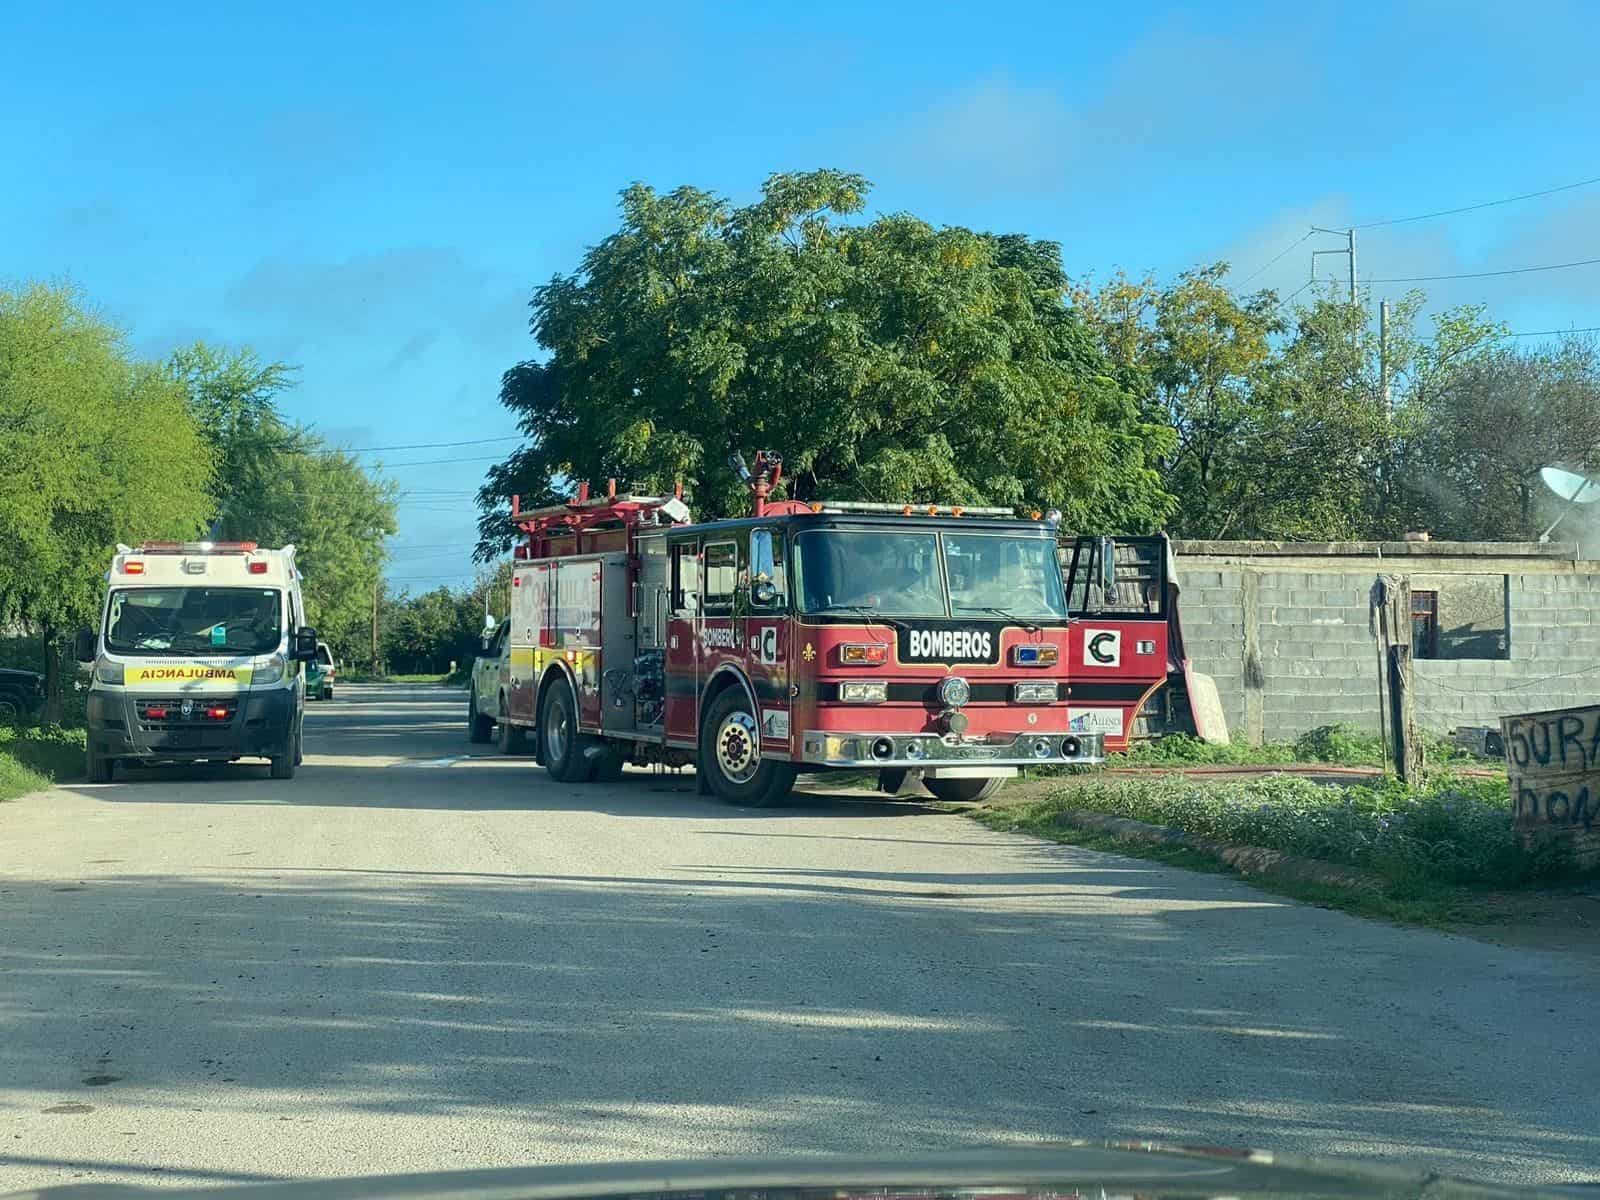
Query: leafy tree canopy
point(886, 360)
point(279, 483)
point(99, 449)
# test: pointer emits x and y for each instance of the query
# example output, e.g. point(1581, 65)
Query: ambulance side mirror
point(305, 645)
point(83, 646)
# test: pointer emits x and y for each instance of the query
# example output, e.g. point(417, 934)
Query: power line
point(1553, 332)
point(1583, 262)
point(1277, 258)
point(514, 437)
point(1450, 212)
point(430, 462)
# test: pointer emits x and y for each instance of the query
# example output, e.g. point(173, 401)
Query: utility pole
point(377, 587)
point(1349, 236)
point(1383, 357)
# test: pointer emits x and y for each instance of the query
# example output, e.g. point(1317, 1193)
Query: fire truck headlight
point(863, 693)
point(1033, 693)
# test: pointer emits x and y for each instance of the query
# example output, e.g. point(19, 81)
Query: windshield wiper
point(1001, 612)
point(870, 614)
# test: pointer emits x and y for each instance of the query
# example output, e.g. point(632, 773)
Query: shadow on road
point(799, 1008)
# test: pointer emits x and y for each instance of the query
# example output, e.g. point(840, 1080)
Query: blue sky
point(370, 192)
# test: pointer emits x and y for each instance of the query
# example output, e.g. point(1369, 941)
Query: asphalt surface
point(409, 958)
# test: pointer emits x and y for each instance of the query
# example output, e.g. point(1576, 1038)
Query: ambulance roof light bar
point(192, 548)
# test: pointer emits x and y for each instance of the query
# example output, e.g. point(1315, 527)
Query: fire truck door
point(767, 635)
point(721, 637)
point(679, 686)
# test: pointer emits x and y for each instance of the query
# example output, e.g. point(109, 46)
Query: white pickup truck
point(486, 696)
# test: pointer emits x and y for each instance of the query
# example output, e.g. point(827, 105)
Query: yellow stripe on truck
point(184, 677)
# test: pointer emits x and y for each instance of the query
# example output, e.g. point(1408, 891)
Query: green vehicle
point(320, 673)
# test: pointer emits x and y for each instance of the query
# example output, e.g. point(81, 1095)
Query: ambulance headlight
point(108, 672)
point(270, 671)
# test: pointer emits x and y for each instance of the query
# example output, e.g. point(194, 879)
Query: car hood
point(1055, 1172)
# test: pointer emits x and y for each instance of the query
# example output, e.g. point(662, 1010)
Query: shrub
point(1452, 831)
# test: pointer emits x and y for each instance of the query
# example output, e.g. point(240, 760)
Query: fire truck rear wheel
point(963, 791)
point(563, 746)
point(730, 755)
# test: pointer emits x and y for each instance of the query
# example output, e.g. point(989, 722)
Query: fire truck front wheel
point(963, 791)
point(730, 755)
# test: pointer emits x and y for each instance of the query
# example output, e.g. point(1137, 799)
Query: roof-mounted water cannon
point(768, 472)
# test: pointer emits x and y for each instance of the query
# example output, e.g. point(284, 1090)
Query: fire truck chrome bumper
point(927, 749)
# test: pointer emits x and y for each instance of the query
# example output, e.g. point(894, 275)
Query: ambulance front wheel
point(730, 755)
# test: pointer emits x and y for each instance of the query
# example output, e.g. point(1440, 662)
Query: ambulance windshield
point(194, 621)
point(898, 574)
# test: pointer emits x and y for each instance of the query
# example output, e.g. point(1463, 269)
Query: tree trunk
point(52, 675)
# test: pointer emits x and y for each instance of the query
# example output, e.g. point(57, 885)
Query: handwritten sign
point(1553, 760)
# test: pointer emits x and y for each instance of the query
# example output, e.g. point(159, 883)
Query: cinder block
point(1211, 596)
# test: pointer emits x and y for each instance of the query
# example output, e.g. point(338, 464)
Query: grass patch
point(35, 756)
point(1435, 852)
point(1336, 745)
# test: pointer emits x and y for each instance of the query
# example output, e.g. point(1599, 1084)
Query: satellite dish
point(1575, 489)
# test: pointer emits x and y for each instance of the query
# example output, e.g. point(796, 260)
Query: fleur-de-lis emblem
point(809, 652)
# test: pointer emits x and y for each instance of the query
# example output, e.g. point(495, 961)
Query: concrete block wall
point(1286, 633)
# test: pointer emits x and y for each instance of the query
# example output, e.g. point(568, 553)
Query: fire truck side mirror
point(1108, 569)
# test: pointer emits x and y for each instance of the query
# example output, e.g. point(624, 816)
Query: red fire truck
point(925, 642)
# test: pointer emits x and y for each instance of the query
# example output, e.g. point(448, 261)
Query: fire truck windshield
point(898, 574)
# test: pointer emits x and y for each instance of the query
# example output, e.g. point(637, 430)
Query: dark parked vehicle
point(21, 693)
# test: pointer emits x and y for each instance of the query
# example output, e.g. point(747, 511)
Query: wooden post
point(1407, 746)
point(1402, 708)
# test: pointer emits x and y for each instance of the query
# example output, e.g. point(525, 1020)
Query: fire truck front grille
point(928, 693)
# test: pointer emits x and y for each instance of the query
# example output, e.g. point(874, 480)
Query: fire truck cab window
point(722, 574)
point(993, 571)
point(686, 579)
point(896, 574)
point(766, 566)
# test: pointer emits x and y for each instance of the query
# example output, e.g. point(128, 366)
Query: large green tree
point(1282, 426)
point(1503, 415)
point(887, 360)
point(279, 483)
point(97, 449)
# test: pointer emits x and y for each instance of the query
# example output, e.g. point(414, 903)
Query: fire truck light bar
point(1035, 656)
point(862, 654)
point(906, 510)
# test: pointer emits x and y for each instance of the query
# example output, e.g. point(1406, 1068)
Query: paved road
point(408, 960)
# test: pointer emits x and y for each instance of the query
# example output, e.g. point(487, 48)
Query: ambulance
point(199, 656)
